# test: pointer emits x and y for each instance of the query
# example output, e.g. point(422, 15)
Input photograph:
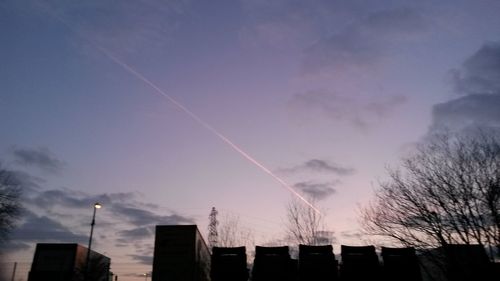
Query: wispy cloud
point(319, 166)
point(121, 26)
point(140, 217)
point(144, 259)
point(137, 233)
point(364, 42)
point(280, 24)
point(315, 190)
point(41, 158)
point(349, 235)
point(358, 112)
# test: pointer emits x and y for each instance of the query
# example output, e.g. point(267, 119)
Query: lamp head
point(97, 205)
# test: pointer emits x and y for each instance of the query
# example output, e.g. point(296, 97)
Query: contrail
point(195, 117)
point(191, 114)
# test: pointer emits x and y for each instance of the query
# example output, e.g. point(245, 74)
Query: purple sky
point(325, 94)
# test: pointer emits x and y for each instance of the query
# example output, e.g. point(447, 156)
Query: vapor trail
point(195, 117)
point(191, 114)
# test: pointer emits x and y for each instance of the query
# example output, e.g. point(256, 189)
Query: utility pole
point(14, 271)
point(212, 229)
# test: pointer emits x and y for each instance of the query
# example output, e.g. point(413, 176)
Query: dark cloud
point(325, 237)
point(12, 246)
point(351, 235)
point(137, 233)
point(144, 259)
point(480, 73)
point(47, 199)
point(20, 179)
point(471, 111)
point(317, 191)
point(44, 229)
point(141, 217)
point(364, 42)
point(321, 166)
point(478, 81)
point(324, 166)
point(41, 158)
point(50, 215)
point(122, 205)
point(340, 108)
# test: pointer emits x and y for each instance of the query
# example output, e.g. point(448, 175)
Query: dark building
point(229, 264)
point(66, 262)
point(359, 263)
point(273, 264)
point(400, 264)
point(180, 254)
point(468, 263)
point(317, 263)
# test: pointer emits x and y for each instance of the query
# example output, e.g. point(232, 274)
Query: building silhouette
point(67, 262)
point(359, 263)
point(273, 264)
point(180, 253)
point(400, 264)
point(317, 263)
point(229, 264)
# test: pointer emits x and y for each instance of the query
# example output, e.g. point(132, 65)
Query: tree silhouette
point(304, 225)
point(9, 202)
point(232, 233)
point(447, 192)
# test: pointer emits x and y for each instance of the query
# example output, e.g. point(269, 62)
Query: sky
point(161, 110)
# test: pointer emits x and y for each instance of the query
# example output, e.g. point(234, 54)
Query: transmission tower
point(212, 229)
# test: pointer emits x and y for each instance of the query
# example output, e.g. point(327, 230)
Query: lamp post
point(96, 206)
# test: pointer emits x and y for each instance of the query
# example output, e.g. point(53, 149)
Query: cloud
point(122, 206)
point(20, 179)
point(364, 42)
point(12, 246)
point(141, 217)
point(341, 108)
point(480, 74)
point(44, 229)
point(279, 24)
point(351, 235)
point(54, 215)
point(471, 111)
point(324, 166)
point(320, 166)
point(47, 199)
point(120, 25)
point(317, 191)
point(325, 237)
point(41, 158)
point(144, 259)
point(478, 83)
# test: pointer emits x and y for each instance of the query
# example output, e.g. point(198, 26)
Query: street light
point(97, 205)
point(146, 275)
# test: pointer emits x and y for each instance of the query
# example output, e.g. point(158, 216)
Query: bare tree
point(232, 233)
point(9, 202)
point(448, 192)
point(305, 225)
